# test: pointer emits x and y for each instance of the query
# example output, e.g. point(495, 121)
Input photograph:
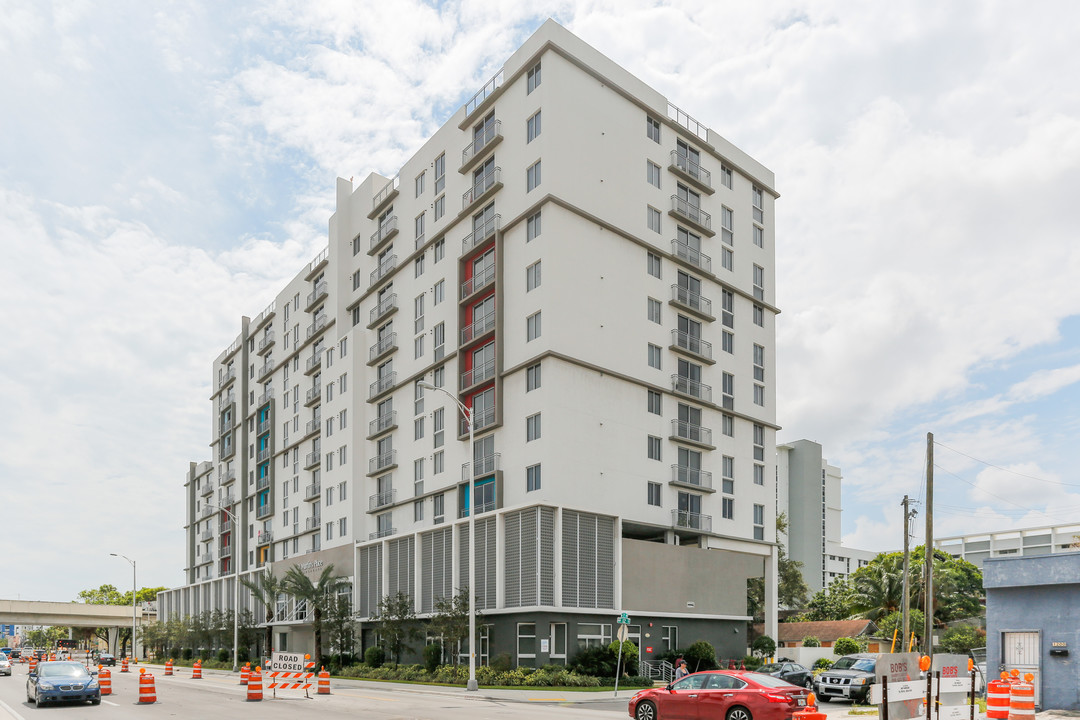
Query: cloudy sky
point(165, 167)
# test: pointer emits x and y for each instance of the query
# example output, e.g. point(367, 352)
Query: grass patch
point(863, 710)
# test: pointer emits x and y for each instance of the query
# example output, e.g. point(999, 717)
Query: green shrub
point(188, 653)
point(595, 661)
point(752, 662)
point(502, 663)
point(243, 655)
point(629, 656)
point(223, 655)
point(963, 638)
point(845, 646)
point(811, 641)
point(374, 656)
point(432, 656)
point(822, 664)
point(764, 646)
point(701, 656)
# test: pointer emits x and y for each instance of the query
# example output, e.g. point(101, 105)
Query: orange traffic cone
point(245, 673)
point(324, 682)
point(196, 670)
point(254, 686)
point(123, 665)
point(147, 692)
point(168, 666)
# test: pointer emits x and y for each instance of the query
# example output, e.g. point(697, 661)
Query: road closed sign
point(287, 662)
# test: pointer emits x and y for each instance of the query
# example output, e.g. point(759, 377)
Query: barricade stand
point(1022, 699)
point(245, 673)
point(254, 686)
point(124, 665)
point(997, 700)
point(33, 663)
point(300, 680)
point(147, 691)
point(168, 667)
point(105, 680)
point(196, 670)
point(324, 685)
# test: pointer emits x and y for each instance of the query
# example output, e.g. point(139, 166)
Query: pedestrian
point(681, 671)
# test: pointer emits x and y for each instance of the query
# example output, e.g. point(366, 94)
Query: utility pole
point(928, 571)
point(906, 591)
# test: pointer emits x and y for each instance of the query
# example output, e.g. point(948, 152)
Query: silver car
point(5, 665)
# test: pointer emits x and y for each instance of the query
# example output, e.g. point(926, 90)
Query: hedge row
point(547, 676)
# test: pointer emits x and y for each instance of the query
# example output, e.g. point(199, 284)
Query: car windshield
point(848, 663)
point(61, 670)
point(772, 682)
point(771, 668)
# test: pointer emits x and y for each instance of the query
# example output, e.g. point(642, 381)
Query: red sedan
point(720, 695)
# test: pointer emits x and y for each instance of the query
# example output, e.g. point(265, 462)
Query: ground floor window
point(526, 644)
point(591, 635)
point(670, 637)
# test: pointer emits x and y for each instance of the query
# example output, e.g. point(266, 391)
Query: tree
point(317, 595)
point(845, 646)
point(450, 621)
point(104, 595)
point(266, 588)
point(831, 603)
point(340, 626)
point(629, 661)
point(878, 586)
point(811, 641)
point(891, 622)
point(792, 590)
point(397, 623)
point(764, 646)
point(962, 639)
point(109, 595)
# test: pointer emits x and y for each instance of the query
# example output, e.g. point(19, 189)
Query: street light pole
point(132, 600)
point(468, 413)
point(236, 590)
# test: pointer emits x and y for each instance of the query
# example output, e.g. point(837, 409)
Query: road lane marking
point(11, 711)
point(110, 703)
point(365, 697)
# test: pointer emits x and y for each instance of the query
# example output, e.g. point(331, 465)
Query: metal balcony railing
point(691, 169)
point(692, 388)
point(692, 344)
point(384, 269)
point(319, 292)
point(382, 384)
point(480, 186)
point(381, 462)
point(479, 327)
point(267, 341)
point(481, 420)
point(697, 477)
point(313, 425)
point(226, 526)
point(263, 511)
point(481, 141)
point(382, 499)
point(381, 533)
point(319, 324)
point(314, 392)
point(314, 362)
point(481, 233)
point(382, 423)
point(695, 521)
point(386, 230)
point(489, 87)
point(312, 491)
point(478, 374)
point(227, 477)
point(484, 466)
point(266, 369)
point(266, 536)
point(388, 191)
point(206, 535)
point(262, 455)
point(478, 281)
point(262, 427)
point(691, 300)
point(262, 483)
point(385, 305)
point(694, 257)
point(228, 377)
point(312, 459)
point(266, 397)
point(383, 346)
point(207, 487)
point(313, 523)
point(691, 213)
point(689, 431)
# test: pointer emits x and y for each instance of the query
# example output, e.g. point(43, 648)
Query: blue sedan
point(62, 682)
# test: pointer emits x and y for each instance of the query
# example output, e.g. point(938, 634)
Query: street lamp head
point(425, 384)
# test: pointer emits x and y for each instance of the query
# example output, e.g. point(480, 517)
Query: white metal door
point(1020, 650)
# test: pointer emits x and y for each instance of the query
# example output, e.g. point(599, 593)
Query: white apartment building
point(591, 271)
point(1043, 540)
point(808, 491)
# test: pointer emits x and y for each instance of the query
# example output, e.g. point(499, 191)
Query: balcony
point(313, 425)
point(478, 375)
point(381, 500)
point(692, 345)
point(691, 171)
point(386, 306)
point(384, 196)
point(319, 324)
point(227, 378)
point(266, 397)
point(265, 536)
point(263, 426)
point(386, 345)
point(382, 385)
point(689, 432)
point(481, 233)
point(691, 301)
point(312, 459)
point(226, 400)
point(383, 462)
point(313, 363)
point(481, 508)
point(381, 533)
point(266, 342)
point(489, 138)
point(387, 230)
point(225, 551)
point(692, 520)
point(313, 491)
point(478, 328)
point(227, 477)
point(695, 478)
point(385, 268)
point(314, 394)
point(207, 487)
point(484, 466)
point(482, 187)
point(316, 295)
point(265, 370)
point(479, 100)
point(227, 450)
point(262, 483)
point(478, 282)
point(207, 511)
point(206, 557)
point(691, 214)
point(226, 526)
point(206, 535)
point(382, 424)
point(263, 455)
point(691, 388)
point(695, 257)
point(229, 500)
point(482, 420)
point(312, 523)
point(264, 511)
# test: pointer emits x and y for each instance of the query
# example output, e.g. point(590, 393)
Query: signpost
point(623, 633)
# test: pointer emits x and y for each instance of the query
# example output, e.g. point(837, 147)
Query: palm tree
point(265, 588)
point(316, 595)
point(879, 587)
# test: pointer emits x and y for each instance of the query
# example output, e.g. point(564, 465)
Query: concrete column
point(114, 634)
point(772, 593)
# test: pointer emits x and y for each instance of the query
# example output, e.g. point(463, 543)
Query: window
point(759, 236)
point(532, 327)
point(532, 79)
point(418, 511)
point(727, 381)
point(532, 427)
point(654, 356)
point(728, 425)
point(759, 474)
point(439, 292)
point(653, 447)
point(418, 265)
point(759, 282)
point(652, 129)
point(440, 207)
point(532, 478)
point(654, 310)
point(420, 183)
point(727, 342)
point(653, 219)
point(727, 225)
point(532, 176)
point(342, 456)
point(759, 363)
point(759, 522)
point(418, 401)
point(759, 316)
point(654, 494)
point(438, 506)
point(440, 173)
point(532, 227)
point(532, 276)
point(532, 127)
point(727, 508)
point(418, 428)
point(418, 225)
point(759, 442)
point(654, 402)
point(652, 173)
point(727, 304)
point(418, 475)
point(438, 376)
point(532, 377)
point(418, 313)
point(329, 531)
point(343, 525)
point(728, 474)
point(439, 249)
point(725, 176)
point(440, 342)
point(653, 265)
point(437, 463)
point(438, 425)
point(759, 205)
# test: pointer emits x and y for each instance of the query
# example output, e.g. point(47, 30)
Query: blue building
point(1033, 623)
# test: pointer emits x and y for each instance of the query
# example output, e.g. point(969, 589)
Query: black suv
point(849, 678)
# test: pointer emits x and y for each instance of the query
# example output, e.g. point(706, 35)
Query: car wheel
point(809, 684)
point(823, 698)
point(645, 711)
point(739, 713)
point(96, 701)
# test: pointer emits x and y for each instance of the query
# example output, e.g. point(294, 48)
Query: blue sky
point(165, 168)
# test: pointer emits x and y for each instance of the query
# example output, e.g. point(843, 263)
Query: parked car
point(849, 678)
point(791, 672)
point(58, 681)
point(5, 665)
point(720, 694)
point(106, 659)
point(15, 653)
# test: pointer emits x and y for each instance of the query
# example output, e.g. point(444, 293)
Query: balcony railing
point(385, 344)
point(262, 455)
point(207, 511)
point(206, 557)
point(382, 499)
point(263, 511)
point(483, 507)
point(206, 535)
point(317, 294)
point(227, 477)
point(692, 256)
point(228, 500)
point(481, 420)
point(481, 186)
point(266, 536)
point(691, 300)
point(313, 393)
point(313, 425)
point(384, 269)
point(262, 483)
point(384, 532)
point(266, 369)
point(489, 87)
point(319, 324)
point(697, 477)
point(226, 526)
point(691, 169)
point(313, 523)
point(313, 363)
point(695, 521)
point(207, 487)
point(477, 282)
point(481, 233)
point(692, 388)
point(387, 230)
point(384, 307)
point(312, 491)
point(478, 374)
point(262, 427)
point(382, 423)
point(484, 466)
point(312, 459)
point(226, 400)
point(382, 462)
point(691, 344)
point(382, 385)
point(688, 122)
point(479, 327)
point(491, 133)
point(691, 213)
point(227, 378)
point(689, 431)
point(267, 341)
point(266, 397)
point(389, 191)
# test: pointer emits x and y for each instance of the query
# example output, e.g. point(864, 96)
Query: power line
point(998, 467)
point(968, 482)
